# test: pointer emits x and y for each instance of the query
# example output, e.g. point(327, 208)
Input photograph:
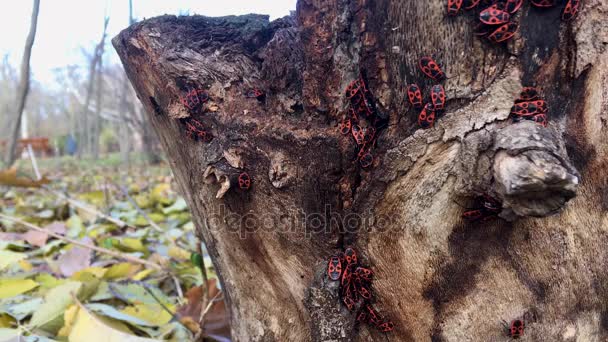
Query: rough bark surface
point(438, 277)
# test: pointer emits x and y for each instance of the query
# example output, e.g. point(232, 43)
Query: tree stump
point(437, 277)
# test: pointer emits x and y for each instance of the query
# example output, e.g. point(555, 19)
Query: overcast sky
point(66, 25)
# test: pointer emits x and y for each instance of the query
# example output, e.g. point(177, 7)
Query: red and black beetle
point(489, 207)
point(358, 134)
point(345, 126)
point(454, 6)
point(570, 10)
point(528, 94)
point(431, 68)
point(350, 255)
point(426, 118)
point(386, 326)
point(494, 16)
point(513, 6)
point(516, 329)
point(438, 97)
point(366, 160)
point(414, 95)
point(244, 181)
point(255, 93)
point(529, 108)
point(364, 273)
point(334, 268)
point(196, 130)
point(503, 33)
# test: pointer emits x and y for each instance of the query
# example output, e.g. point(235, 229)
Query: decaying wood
point(437, 277)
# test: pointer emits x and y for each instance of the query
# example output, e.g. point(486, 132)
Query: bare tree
point(23, 88)
point(437, 276)
point(89, 134)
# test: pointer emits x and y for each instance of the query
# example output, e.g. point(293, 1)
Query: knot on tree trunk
point(532, 172)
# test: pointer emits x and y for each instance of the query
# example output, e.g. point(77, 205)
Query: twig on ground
point(84, 245)
point(139, 210)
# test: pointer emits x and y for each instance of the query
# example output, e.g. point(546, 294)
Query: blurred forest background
point(95, 241)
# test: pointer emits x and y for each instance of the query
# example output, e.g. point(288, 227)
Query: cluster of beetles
point(497, 17)
point(355, 288)
point(194, 100)
point(364, 121)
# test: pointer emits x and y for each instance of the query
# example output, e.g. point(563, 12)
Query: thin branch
point(84, 245)
point(87, 208)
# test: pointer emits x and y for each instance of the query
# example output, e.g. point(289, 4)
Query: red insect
point(196, 130)
point(482, 29)
point(358, 134)
point(334, 268)
point(368, 134)
point(193, 98)
point(345, 126)
point(414, 95)
point(366, 160)
point(503, 33)
point(386, 326)
point(516, 328)
point(543, 3)
point(490, 207)
point(350, 255)
point(438, 97)
point(528, 94)
point(529, 108)
point(255, 93)
point(470, 4)
point(353, 88)
point(346, 275)
point(426, 118)
point(362, 317)
point(513, 6)
point(454, 6)
point(244, 181)
point(363, 291)
point(570, 10)
point(349, 302)
point(372, 315)
point(364, 273)
point(494, 16)
point(431, 68)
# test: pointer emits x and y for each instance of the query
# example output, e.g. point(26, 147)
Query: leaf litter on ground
point(53, 288)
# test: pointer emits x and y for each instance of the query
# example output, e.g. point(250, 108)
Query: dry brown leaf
point(9, 177)
point(35, 238)
point(75, 259)
point(216, 320)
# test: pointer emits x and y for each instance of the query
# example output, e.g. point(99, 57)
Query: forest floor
point(118, 259)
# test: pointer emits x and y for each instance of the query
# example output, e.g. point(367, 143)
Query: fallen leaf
point(154, 314)
point(8, 258)
point(49, 316)
point(13, 287)
point(91, 328)
point(121, 270)
point(216, 320)
point(9, 177)
point(69, 317)
point(57, 228)
point(111, 312)
point(36, 238)
point(75, 259)
point(20, 307)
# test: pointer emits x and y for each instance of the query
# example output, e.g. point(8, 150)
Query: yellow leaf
point(9, 177)
point(13, 287)
point(25, 265)
point(130, 245)
point(47, 281)
point(49, 315)
point(121, 270)
point(68, 321)
point(97, 271)
point(8, 258)
point(151, 313)
point(6, 321)
point(179, 253)
point(143, 274)
point(92, 328)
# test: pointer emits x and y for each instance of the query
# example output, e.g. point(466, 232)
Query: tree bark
point(23, 88)
point(437, 277)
